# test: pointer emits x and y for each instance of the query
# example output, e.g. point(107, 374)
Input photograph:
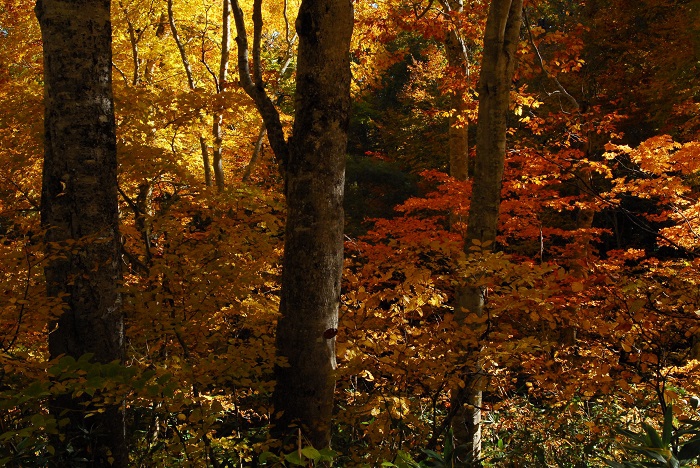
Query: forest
point(370, 233)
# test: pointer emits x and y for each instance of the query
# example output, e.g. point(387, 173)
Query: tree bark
point(257, 152)
point(254, 85)
point(459, 124)
point(205, 161)
point(223, 76)
point(313, 162)
point(80, 214)
point(313, 254)
point(500, 43)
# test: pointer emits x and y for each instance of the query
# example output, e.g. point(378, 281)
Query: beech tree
point(497, 67)
point(313, 165)
point(80, 215)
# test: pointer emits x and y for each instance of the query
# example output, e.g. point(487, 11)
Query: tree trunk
point(313, 251)
point(500, 42)
point(219, 113)
point(205, 161)
point(313, 164)
point(80, 214)
point(459, 124)
point(257, 152)
point(190, 82)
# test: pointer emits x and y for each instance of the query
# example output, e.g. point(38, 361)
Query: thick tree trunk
point(313, 251)
point(500, 42)
point(79, 212)
point(313, 164)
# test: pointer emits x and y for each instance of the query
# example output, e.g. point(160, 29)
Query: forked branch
point(254, 85)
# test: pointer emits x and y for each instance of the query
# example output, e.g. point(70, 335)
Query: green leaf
point(36, 389)
point(635, 437)
point(668, 426)
point(651, 453)
point(294, 459)
point(690, 450)
point(85, 358)
point(327, 455)
point(449, 446)
point(404, 460)
point(653, 436)
point(312, 453)
point(163, 379)
point(265, 456)
point(433, 455)
point(613, 464)
point(37, 420)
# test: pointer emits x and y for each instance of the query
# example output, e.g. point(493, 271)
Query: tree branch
point(256, 91)
point(204, 50)
point(559, 86)
point(180, 46)
point(257, 35)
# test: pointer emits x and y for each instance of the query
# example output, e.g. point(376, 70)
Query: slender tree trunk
point(134, 39)
point(151, 63)
point(257, 152)
point(180, 46)
point(143, 217)
point(219, 114)
point(79, 209)
point(459, 123)
point(500, 42)
point(205, 161)
point(289, 55)
point(190, 82)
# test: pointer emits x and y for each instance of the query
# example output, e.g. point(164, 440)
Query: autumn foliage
point(592, 315)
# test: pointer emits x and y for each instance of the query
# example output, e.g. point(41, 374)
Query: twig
point(561, 88)
point(20, 317)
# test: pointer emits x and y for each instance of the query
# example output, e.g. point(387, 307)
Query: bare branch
point(225, 46)
point(286, 25)
point(256, 91)
point(121, 73)
point(206, 64)
point(425, 10)
point(204, 50)
point(559, 86)
point(180, 46)
point(134, 40)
